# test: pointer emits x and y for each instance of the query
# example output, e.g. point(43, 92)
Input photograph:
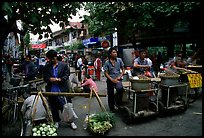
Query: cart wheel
point(182, 102)
point(153, 106)
point(193, 97)
point(161, 109)
point(127, 117)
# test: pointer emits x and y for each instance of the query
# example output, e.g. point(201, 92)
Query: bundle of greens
point(101, 123)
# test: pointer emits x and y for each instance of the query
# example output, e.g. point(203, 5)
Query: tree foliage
point(27, 39)
point(76, 45)
point(36, 16)
point(135, 17)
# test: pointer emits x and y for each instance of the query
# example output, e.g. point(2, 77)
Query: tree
point(35, 16)
point(26, 41)
point(131, 18)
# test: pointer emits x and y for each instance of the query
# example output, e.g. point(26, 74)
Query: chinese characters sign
point(195, 80)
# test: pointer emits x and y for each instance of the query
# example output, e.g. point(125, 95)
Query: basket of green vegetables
point(100, 123)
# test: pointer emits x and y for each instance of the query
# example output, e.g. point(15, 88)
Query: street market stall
point(142, 100)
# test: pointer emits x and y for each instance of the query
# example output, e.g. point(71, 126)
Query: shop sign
point(39, 46)
point(92, 40)
point(195, 80)
point(105, 44)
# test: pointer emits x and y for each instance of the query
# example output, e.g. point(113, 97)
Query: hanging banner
point(39, 46)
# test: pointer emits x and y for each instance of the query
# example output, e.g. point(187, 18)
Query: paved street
point(184, 124)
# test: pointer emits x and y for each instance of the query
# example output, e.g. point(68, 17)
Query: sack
point(68, 114)
point(74, 79)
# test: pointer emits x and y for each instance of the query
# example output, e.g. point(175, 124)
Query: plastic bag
point(68, 114)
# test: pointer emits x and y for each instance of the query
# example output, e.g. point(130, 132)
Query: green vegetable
point(44, 130)
point(101, 123)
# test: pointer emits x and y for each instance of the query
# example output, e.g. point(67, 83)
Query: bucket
point(169, 80)
point(91, 70)
point(140, 84)
point(125, 77)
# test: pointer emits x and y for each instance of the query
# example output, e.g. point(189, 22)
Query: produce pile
point(169, 75)
point(100, 123)
point(142, 77)
point(44, 130)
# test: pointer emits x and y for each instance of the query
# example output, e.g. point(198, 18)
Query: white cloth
point(79, 62)
point(28, 108)
point(149, 61)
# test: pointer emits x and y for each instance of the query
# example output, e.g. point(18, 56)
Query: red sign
point(39, 46)
point(105, 44)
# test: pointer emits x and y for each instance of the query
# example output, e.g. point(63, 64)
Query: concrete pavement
point(183, 124)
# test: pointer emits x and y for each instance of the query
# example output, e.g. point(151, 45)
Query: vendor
point(141, 64)
point(177, 64)
point(88, 84)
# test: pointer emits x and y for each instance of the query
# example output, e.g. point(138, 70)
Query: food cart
point(142, 101)
point(172, 94)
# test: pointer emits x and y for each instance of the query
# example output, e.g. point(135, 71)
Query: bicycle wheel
point(193, 95)
point(11, 126)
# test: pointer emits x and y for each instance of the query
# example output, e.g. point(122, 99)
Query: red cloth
point(97, 66)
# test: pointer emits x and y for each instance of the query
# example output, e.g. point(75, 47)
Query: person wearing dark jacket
point(29, 68)
point(56, 75)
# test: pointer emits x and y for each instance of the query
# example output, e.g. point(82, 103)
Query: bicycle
point(194, 94)
point(195, 90)
point(12, 118)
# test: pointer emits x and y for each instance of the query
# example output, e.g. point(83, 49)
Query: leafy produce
point(44, 130)
point(101, 122)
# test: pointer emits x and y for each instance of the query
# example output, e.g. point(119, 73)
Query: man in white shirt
point(79, 67)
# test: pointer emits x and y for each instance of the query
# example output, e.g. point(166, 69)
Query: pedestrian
point(29, 68)
point(112, 69)
point(159, 60)
point(85, 64)
point(9, 65)
point(79, 67)
point(97, 66)
point(141, 64)
point(56, 75)
point(88, 84)
point(177, 64)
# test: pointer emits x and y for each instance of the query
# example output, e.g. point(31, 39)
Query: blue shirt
point(113, 71)
point(55, 87)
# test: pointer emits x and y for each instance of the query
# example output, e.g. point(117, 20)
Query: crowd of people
point(56, 74)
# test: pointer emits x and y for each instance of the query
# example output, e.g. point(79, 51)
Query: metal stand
point(175, 98)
